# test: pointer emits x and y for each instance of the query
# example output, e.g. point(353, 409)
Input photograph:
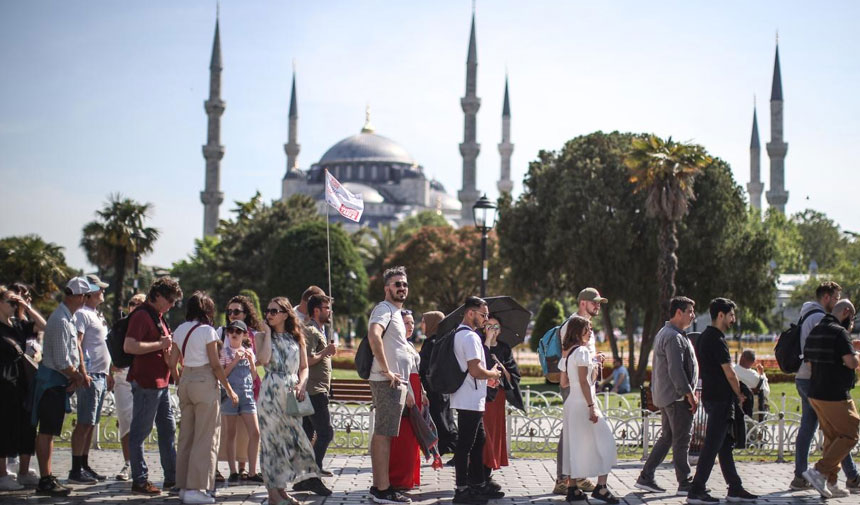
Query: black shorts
point(52, 411)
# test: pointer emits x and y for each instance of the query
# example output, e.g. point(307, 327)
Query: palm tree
point(117, 238)
point(666, 170)
point(31, 260)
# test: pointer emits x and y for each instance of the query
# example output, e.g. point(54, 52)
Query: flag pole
point(328, 264)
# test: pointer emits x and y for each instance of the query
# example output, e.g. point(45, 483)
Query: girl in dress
point(589, 444)
point(286, 454)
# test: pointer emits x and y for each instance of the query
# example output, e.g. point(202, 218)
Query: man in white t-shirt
point(469, 400)
point(389, 376)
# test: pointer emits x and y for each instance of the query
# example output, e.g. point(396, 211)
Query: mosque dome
point(366, 146)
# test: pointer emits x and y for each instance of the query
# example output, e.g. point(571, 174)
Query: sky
point(99, 97)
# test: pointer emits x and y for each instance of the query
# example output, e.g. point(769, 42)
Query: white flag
point(348, 204)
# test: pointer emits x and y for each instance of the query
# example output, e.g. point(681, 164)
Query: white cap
point(80, 286)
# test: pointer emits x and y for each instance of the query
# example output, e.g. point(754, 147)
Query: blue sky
point(99, 97)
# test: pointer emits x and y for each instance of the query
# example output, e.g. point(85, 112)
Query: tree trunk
point(119, 284)
point(631, 340)
point(609, 331)
point(667, 263)
point(648, 332)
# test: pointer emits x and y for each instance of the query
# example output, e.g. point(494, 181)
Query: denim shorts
point(247, 405)
point(91, 399)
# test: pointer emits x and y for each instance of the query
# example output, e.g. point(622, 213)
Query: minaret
point(469, 149)
point(213, 151)
point(505, 184)
point(777, 196)
point(292, 147)
point(755, 187)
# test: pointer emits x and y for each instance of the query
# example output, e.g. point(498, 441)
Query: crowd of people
point(231, 413)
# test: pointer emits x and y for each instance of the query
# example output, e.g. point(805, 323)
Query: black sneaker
point(574, 494)
point(81, 477)
point(684, 488)
point(50, 486)
point(391, 496)
point(233, 478)
point(701, 498)
point(469, 496)
point(326, 473)
point(491, 484)
point(602, 493)
point(740, 496)
point(648, 485)
point(97, 476)
point(491, 492)
point(169, 486)
point(316, 486)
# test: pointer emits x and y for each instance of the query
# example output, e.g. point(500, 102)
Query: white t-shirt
point(472, 395)
point(93, 326)
point(751, 378)
point(195, 351)
point(591, 346)
point(394, 343)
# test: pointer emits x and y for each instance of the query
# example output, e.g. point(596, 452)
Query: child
point(238, 360)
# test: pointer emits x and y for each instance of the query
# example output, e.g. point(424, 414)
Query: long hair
point(200, 308)
point(252, 319)
point(575, 329)
point(291, 323)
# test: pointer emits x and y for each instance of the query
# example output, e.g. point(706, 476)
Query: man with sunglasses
point(392, 362)
point(148, 338)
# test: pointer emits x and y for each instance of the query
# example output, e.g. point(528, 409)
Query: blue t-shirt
point(625, 384)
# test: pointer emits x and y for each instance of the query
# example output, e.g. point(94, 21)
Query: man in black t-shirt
point(720, 391)
point(834, 360)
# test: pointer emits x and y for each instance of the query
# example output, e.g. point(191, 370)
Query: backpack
point(445, 376)
point(116, 338)
point(549, 353)
point(788, 352)
point(364, 354)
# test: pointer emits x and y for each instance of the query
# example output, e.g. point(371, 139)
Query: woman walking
point(286, 454)
point(589, 444)
point(196, 345)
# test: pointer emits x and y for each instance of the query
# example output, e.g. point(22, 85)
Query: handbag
point(296, 408)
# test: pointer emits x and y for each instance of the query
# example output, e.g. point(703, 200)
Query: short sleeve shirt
point(60, 344)
point(319, 375)
point(472, 395)
point(195, 351)
point(149, 370)
point(94, 327)
point(394, 343)
point(713, 352)
point(833, 382)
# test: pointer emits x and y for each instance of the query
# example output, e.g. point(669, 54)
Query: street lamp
point(484, 213)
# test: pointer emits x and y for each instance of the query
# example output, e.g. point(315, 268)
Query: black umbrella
point(513, 318)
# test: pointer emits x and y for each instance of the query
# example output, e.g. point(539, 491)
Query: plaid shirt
point(60, 344)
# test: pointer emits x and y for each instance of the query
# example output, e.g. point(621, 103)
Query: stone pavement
point(525, 481)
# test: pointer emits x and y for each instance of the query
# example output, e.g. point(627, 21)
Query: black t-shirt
point(18, 332)
point(712, 352)
point(831, 382)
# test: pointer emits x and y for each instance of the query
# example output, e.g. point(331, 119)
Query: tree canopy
point(39, 264)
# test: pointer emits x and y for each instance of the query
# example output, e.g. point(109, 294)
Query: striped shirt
point(60, 344)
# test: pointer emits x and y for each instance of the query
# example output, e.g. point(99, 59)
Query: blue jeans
point(151, 406)
point(808, 427)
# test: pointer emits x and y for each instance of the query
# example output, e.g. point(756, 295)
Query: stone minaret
point(505, 184)
point(213, 151)
point(777, 196)
point(755, 187)
point(292, 147)
point(469, 149)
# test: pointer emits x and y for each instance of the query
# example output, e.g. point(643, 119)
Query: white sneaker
point(12, 465)
point(29, 479)
point(124, 472)
point(837, 491)
point(8, 483)
point(817, 480)
point(196, 497)
point(181, 494)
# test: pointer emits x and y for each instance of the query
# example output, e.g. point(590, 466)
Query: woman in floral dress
point(286, 454)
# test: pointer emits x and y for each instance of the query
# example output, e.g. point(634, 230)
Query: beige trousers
point(197, 454)
point(839, 422)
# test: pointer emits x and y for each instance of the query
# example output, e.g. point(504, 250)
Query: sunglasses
point(493, 327)
point(235, 331)
point(234, 312)
point(275, 312)
point(400, 284)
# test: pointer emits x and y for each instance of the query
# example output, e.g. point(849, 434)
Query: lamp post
point(484, 213)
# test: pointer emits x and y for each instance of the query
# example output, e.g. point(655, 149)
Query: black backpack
point(364, 355)
point(788, 353)
point(445, 376)
point(116, 338)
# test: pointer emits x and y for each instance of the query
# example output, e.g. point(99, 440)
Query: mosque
point(392, 183)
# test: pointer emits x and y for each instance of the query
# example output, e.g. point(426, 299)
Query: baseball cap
point(80, 286)
point(238, 325)
point(590, 295)
point(94, 279)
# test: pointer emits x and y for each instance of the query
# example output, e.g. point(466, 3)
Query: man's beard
point(399, 296)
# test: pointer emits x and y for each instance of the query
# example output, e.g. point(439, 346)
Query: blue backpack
point(549, 352)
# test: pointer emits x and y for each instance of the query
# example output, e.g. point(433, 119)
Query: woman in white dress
point(589, 444)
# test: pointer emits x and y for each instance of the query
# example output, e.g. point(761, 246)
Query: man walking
point(720, 390)
point(148, 338)
point(319, 378)
point(57, 373)
point(588, 306)
point(469, 401)
point(811, 313)
point(674, 375)
point(95, 368)
point(833, 357)
point(392, 362)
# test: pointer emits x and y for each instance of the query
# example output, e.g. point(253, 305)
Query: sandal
point(218, 476)
point(602, 493)
point(574, 494)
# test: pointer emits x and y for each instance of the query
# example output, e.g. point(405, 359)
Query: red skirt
point(496, 445)
point(404, 465)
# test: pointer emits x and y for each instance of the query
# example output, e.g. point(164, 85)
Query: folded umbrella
point(513, 318)
point(426, 434)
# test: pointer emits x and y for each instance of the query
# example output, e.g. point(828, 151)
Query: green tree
point(550, 315)
point(299, 260)
point(200, 271)
point(821, 238)
point(665, 171)
point(31, 260)
point(376, 245)
point(116, 238)
point(411, 224)
point(788, 250)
